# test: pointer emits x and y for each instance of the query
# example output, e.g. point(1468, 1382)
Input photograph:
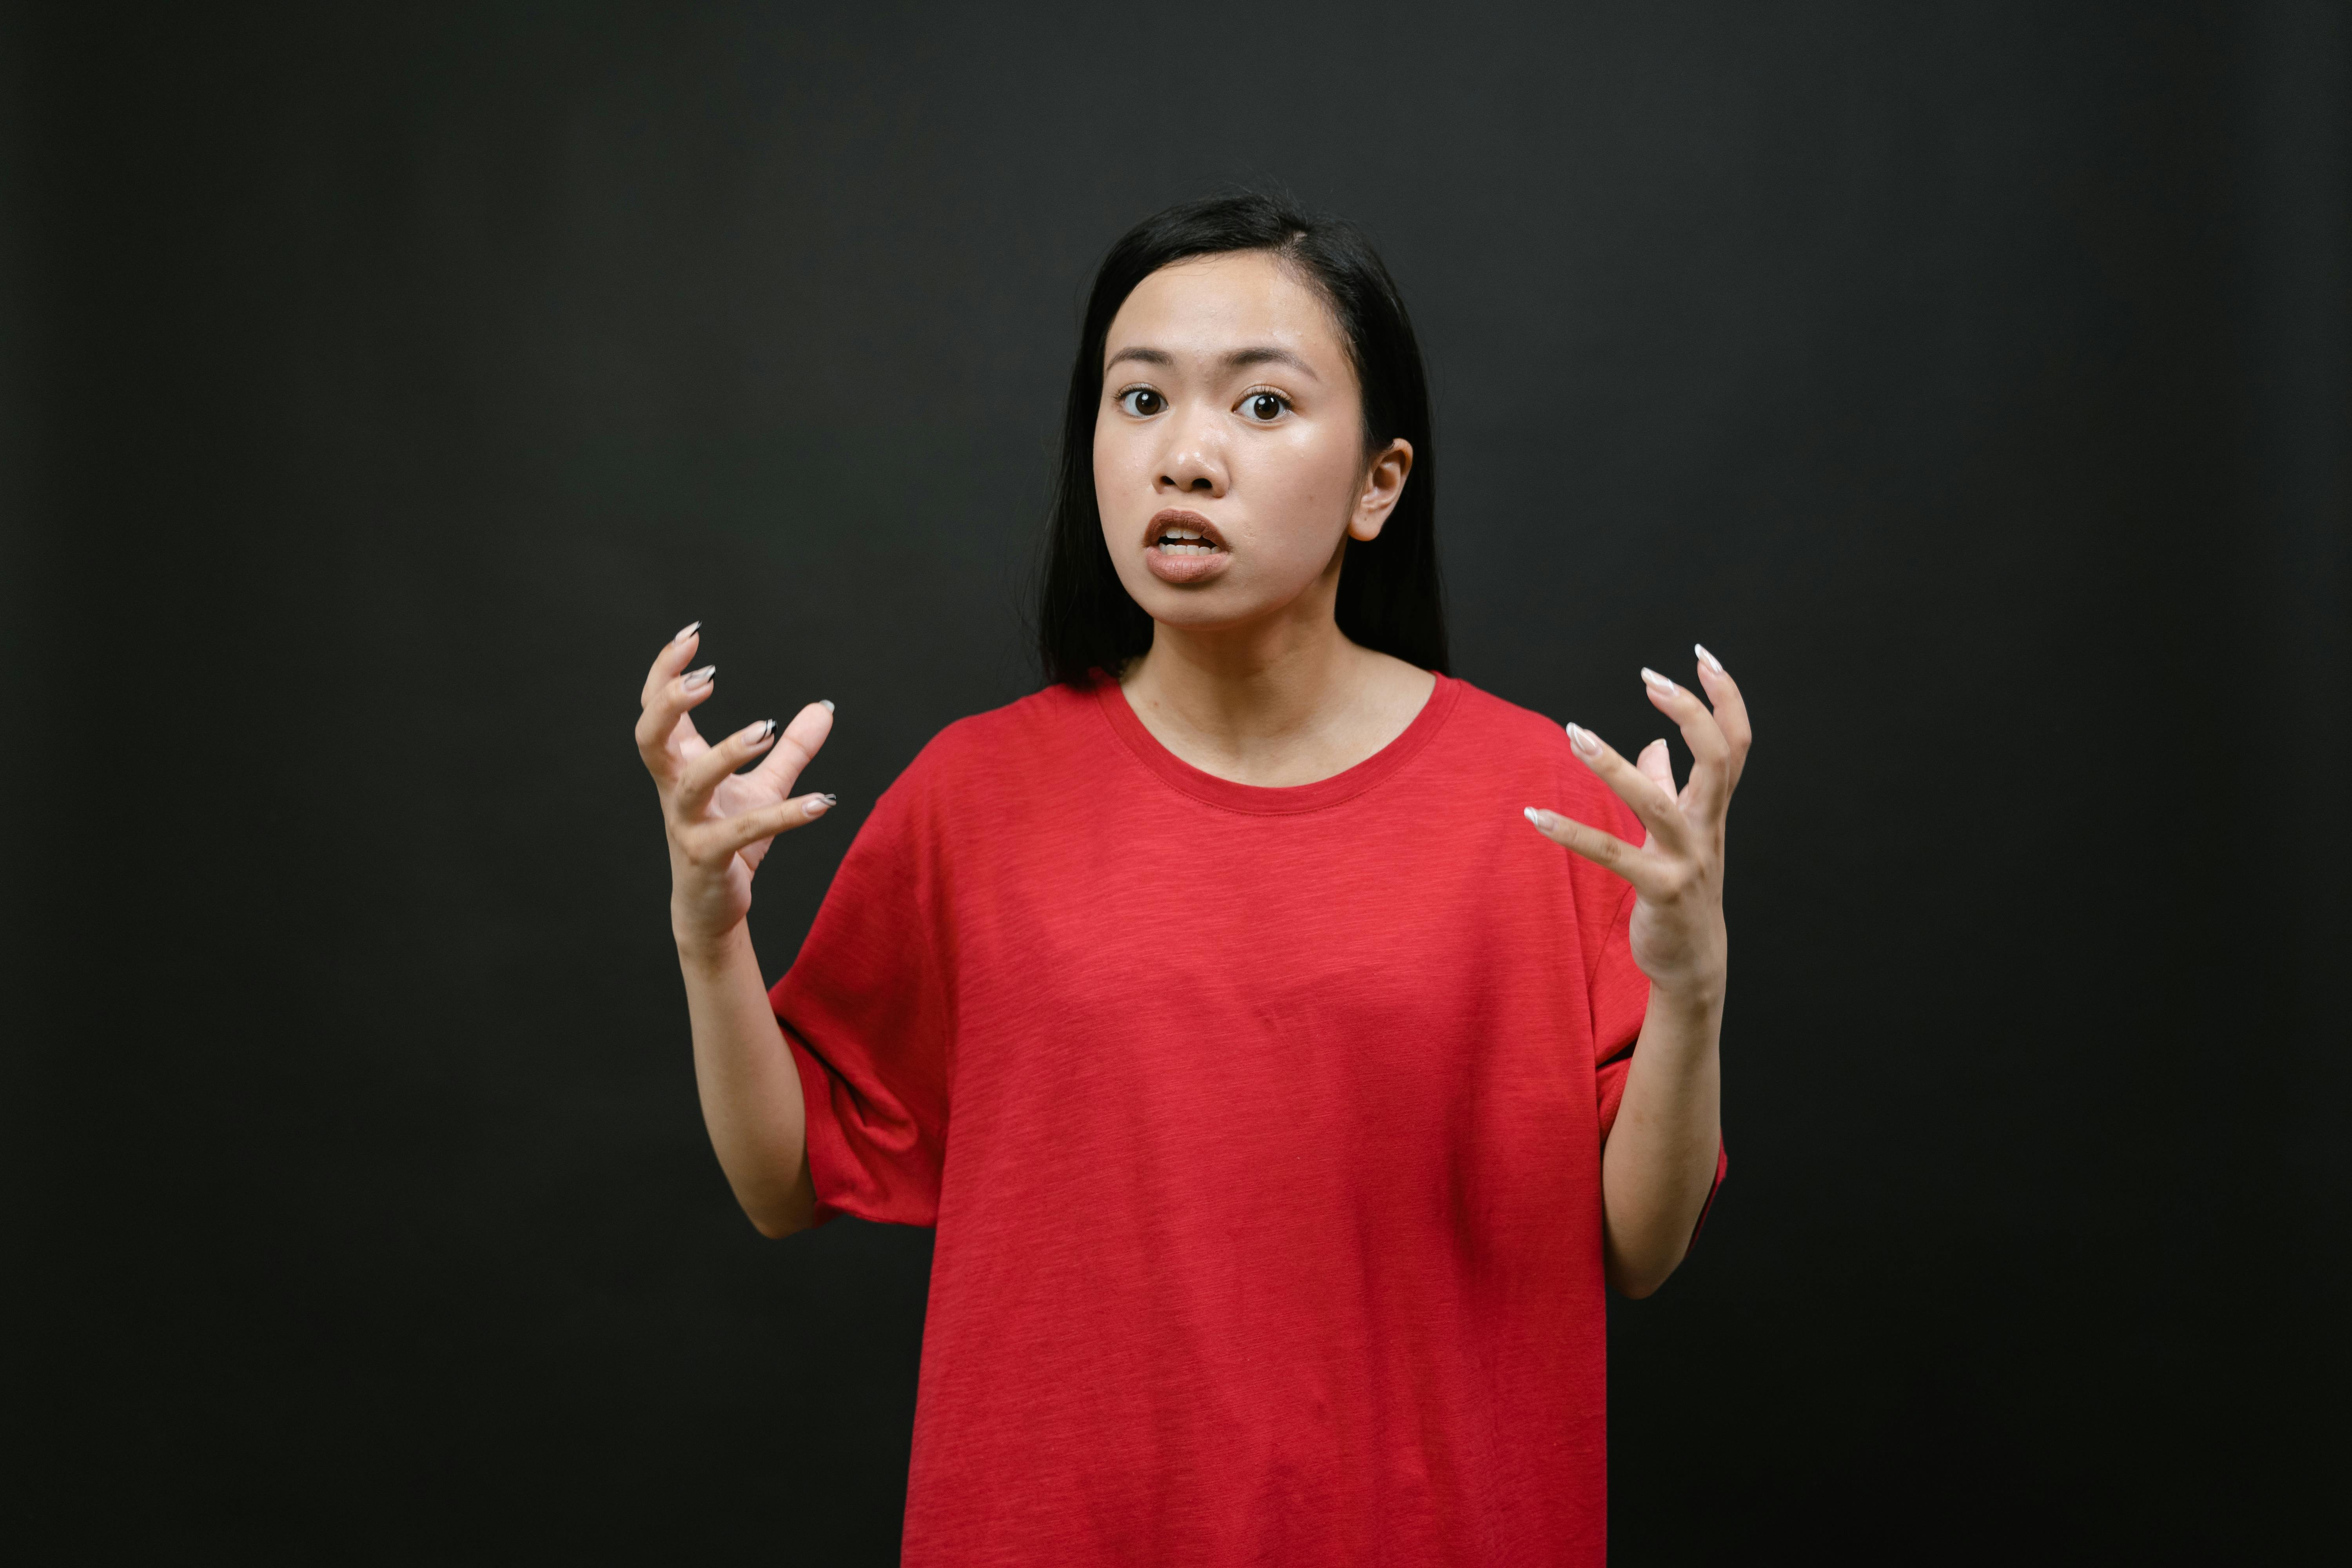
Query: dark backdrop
point(383, 384)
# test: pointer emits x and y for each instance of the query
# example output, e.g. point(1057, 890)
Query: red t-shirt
point(1261, 1128)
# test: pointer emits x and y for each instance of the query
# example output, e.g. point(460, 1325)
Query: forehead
point(1211, 304)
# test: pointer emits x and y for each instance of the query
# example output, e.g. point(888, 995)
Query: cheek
point(1313, 482)
point(1116, 459)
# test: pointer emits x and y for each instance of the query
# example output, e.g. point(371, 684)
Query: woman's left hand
point(1678, 873)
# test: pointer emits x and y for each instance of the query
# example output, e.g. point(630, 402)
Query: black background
point(382, 386)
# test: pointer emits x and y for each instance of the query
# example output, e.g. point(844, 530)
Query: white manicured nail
point(1538, 818)
point(1707, 659)
point(759, 731)
point(825, 703)
point(686, 631)
point(818, 805)
point(1586, 742)
point(1658, 683)
point(696, 679)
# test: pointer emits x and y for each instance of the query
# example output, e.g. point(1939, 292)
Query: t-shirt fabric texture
point(1261, 1128)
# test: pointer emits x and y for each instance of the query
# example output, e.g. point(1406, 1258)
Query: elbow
point(779, 1217)
point(777, 1224)
point(1639, 1281)
point(776, 1209)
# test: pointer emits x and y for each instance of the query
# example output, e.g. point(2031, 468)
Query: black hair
point(1389, 598)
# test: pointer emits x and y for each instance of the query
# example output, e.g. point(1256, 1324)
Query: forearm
point(1660, 1160)
point(749, 1089)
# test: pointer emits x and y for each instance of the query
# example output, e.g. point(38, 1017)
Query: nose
point(1194, 462)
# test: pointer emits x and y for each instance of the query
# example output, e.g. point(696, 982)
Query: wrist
point(1690, 1003)
point(708, 952)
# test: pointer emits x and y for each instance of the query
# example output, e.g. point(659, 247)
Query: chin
point(1209, 607)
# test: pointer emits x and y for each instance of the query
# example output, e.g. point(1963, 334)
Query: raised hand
point(1678, 873)
point(721, 822)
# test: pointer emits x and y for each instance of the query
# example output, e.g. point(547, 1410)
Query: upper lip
point(1176, 517)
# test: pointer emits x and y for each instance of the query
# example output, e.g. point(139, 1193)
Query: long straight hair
point(1389, 598)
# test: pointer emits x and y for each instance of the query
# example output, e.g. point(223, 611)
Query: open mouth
point(1183, 535)
point(1184, 549)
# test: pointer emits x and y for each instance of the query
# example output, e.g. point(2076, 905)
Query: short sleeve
point(1620, 993)
point(864, 1009)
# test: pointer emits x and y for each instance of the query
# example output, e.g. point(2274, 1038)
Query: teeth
point(1185, 541)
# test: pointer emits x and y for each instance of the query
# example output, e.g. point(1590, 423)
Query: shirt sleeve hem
point(1722, 1167)
point(819, 1134)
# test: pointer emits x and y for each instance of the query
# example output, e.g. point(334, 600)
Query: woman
point(1281, 1098)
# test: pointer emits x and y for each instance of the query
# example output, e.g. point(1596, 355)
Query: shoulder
point(1531, 749)
point(1022, 742)
point(1490, 718)
point(1491, 732)
point(1030, 747)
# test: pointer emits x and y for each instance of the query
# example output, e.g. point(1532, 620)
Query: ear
point(1383, 484)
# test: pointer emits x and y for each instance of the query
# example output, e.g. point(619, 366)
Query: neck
point(1264, 701)
point(1238, 691)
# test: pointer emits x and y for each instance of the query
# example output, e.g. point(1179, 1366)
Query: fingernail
point(1586, 742)
point(696, 679)
point(1707, 659)
point(759, 731)
point(1538, 818)
point(1658, 683)
point(826, 703)
point(818, 805)
point(686, 631)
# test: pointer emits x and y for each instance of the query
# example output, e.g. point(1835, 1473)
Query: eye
point(1264, 407)
point(1142, 402)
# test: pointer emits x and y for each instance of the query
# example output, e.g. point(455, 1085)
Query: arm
point(1660, 1160)
point(721, 824)
point(750, 1090)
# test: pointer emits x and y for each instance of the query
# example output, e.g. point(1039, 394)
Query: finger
point(710, 843)
point(671, 659)
point(700, 777)
point(1603, 849)
point(797, 747)
point(1710, 780)
point(1657, 766)
point(664, 733)
point(1655, 804)
point(1730, 710)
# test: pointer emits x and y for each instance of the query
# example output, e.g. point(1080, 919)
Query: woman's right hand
point(721, 822)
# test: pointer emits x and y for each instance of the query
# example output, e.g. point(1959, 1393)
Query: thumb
point(780, 768)
point(1655, 764)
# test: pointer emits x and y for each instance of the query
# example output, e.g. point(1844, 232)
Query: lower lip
point(1186, 566)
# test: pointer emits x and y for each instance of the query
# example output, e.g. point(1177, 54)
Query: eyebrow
point(1240, 359)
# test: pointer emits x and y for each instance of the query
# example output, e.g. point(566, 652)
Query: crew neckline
point(1270, 800)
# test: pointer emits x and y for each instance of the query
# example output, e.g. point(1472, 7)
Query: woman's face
point(1229, 446)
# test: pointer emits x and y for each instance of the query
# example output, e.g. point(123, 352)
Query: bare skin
point(1228, 395)
point(1660, 1160)
point(1231, 471)
point(721, 825)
